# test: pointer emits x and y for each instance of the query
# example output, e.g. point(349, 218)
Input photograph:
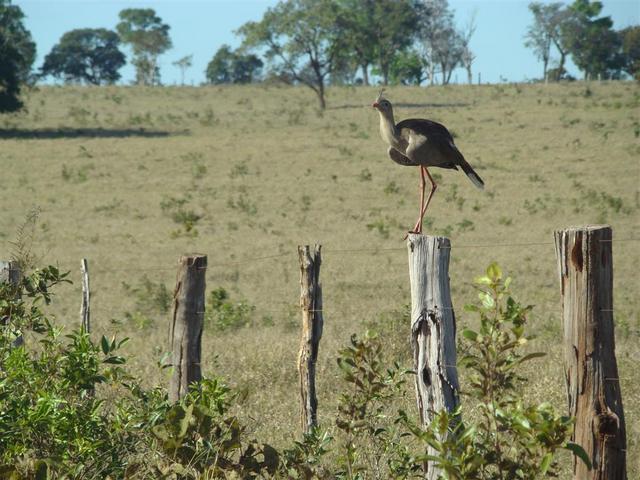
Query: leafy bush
point(223, 314)
point(49, 415)
point(152, 301)
point(509, 438)
point(371, 440)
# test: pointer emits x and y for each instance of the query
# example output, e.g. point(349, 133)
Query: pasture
point(132, 177)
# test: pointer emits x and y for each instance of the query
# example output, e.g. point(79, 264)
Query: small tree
point(408, 68)
point(356, 19)
point(467, 57)
point(229, 66)
point(546, 31)
point(507, 438)
point(17, 54)
point(301, 40)
point(148, 37)
point(183, 63)
point(594, 46)
point(86, 55)
point(442, 43)
point(375, 31)
point(631, 50)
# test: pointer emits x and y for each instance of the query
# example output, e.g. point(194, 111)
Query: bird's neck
point(388, 130)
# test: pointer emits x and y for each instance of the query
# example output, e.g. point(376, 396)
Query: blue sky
point(200, 27)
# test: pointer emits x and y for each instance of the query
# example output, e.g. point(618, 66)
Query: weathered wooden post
point(186, 324)
point(585, 266)
point(312, 322)
point(433, 330)
point(10, 273)
point(85, 307)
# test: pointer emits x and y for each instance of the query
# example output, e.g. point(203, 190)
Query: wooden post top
point(585, 228)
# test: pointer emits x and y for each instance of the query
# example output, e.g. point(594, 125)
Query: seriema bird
point(422, 143)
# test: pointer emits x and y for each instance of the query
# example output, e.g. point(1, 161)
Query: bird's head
point(383, 105)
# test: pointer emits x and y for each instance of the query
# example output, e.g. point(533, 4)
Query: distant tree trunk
point(563, 56)
point(320, 92)
point(469, 74)
point(365, 74)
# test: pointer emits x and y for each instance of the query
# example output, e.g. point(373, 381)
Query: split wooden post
point(585, 267)
point(186, 324)
point(312, 322)
point(85, 307)
point(10, 273)
point(433, 330)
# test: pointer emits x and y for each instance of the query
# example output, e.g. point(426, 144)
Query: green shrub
point(224, 314)
point(507, 438)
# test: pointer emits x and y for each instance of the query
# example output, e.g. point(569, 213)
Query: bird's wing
point(398, 157)
point(428, 128)
point(429, 143)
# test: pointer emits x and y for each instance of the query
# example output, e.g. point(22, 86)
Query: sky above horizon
point(200, 27)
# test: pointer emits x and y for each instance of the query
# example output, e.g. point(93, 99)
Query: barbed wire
point(362, 251)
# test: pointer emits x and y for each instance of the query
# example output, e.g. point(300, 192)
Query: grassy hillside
point(131, 178)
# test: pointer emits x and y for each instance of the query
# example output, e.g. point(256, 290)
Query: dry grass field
point(131, 178)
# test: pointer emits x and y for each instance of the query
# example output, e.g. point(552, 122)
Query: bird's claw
point(406, 235)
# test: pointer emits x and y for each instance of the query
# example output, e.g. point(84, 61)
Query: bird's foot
point(415, 231)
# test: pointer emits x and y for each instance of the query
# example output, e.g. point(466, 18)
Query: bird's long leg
point(423, 184)
point(434, 187)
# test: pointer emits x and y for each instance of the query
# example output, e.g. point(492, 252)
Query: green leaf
point(530, 356)
point(546, 463)
point(470, 334)
point(483, 280)
point(104, 343)
point(486, 299)
point(579, 452)
point(494, 272)
point(114, 360)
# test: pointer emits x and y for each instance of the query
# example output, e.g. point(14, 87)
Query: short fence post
point(432, 330)
point(312, 322)
point(186, 324)
point(10, 273)
point(85, 307)
point(585, 266)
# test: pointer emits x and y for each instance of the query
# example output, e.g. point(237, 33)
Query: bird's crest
point(380, 95)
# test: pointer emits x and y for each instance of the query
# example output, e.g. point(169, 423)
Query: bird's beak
point(375, 105)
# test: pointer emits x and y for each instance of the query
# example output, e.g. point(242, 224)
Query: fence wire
point(341, 251)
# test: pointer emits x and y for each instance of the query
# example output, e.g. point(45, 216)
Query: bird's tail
point(471, 173)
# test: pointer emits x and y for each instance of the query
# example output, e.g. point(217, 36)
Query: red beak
point(375, 105)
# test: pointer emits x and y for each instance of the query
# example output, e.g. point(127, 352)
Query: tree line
point(578, 30)
point(321, 42)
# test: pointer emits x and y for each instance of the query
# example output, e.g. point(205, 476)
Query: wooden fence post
point(186, 324)
point(85, 307)
point(312, 322)
point(10, 273)
point(433, 330)
point(585, 266)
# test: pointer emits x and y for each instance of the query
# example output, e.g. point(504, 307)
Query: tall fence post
point(85, 307)
point(10, 273)
point(186, 324)
point(312, 322)
point(433, 330)
point(585, 266)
